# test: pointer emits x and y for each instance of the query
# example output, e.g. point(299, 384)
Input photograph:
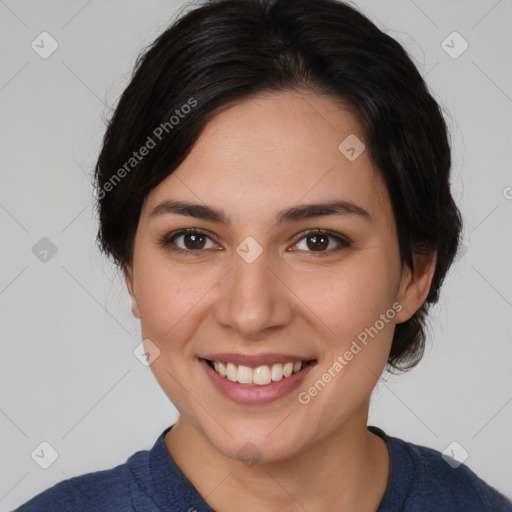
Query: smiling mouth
point(260, 376)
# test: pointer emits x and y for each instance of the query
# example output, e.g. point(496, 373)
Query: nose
point(254, 300)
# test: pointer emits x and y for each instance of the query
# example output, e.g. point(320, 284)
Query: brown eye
point(193, 240)
point(318, 241)
point(188, 241)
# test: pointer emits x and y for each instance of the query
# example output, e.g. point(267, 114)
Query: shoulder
point(430, 480)
point(450, 482)
point(114, 489)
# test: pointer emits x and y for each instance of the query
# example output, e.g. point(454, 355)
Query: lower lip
point(254, 394)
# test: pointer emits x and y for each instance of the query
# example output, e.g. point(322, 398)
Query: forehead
point(275, 150)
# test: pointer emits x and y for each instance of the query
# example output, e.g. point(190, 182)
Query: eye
point(318, 240)
point(192, 239)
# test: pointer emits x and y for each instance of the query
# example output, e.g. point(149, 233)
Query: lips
point(262, 375)
point(257, 384)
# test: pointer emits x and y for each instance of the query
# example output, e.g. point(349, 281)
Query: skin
point(254, 158)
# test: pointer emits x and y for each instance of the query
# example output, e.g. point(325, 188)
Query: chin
point(260, 451)
point(269, 442)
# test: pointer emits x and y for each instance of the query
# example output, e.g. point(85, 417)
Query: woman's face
point(256, 295)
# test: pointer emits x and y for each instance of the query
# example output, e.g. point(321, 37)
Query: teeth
point(244, 375)
point(220, 368)
point(287, 369)
point(261, 376)
point(231, 371)
point(277, 372)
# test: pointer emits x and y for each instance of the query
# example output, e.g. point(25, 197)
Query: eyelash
point(344, 243)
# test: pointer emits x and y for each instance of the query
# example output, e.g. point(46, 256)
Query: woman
point(275, 186)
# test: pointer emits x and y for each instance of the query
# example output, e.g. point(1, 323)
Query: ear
point(415, 285)
point(128, 277)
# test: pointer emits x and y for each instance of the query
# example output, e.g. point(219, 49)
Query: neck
point(346, 471)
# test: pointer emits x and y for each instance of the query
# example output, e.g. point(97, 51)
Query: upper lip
point(256, 360)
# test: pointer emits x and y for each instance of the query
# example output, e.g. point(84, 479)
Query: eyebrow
point(306, 211)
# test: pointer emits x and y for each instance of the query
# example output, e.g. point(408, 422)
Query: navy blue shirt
point(150, 481)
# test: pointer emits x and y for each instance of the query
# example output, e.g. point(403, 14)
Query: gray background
point(68, 374)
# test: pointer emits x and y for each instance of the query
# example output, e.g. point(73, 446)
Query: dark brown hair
point(227, 50)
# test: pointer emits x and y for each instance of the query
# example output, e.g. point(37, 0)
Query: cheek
point(356, 303)
point(169, 297)
point(351, 298)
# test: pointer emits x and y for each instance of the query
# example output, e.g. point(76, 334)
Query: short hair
point(224, 51)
